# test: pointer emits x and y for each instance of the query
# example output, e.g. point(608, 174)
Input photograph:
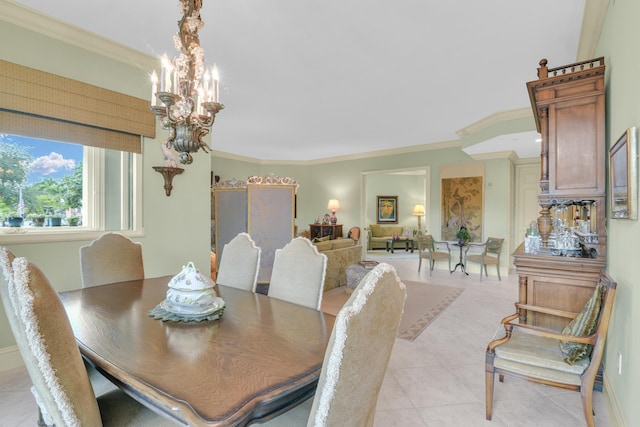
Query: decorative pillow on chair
point(583, 325)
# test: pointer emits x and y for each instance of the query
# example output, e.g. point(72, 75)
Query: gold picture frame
point(623, 177)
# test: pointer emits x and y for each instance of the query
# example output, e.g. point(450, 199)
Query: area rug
point(424, 303)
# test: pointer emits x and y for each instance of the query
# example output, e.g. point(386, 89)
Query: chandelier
point(188, 100)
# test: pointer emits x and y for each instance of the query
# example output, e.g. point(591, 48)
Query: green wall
point(321, 181)
point(619, 45)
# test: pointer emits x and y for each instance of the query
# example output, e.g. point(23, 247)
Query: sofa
point(377, 235)
point(340, 253)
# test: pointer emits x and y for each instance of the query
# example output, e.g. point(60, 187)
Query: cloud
point(54, 162)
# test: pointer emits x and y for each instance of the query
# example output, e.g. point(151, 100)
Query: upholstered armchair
point(432, 250)
point(490, 255)
point(568, 359)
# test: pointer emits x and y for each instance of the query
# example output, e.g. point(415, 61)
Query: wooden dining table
point(262, 357)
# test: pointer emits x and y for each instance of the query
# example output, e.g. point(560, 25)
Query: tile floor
point(437, 380)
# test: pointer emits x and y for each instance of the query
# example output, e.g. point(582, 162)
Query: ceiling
point(309, 80)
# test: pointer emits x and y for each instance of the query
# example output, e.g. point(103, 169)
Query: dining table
point(262, 357)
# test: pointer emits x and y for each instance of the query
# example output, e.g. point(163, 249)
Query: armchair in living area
point(490, 255)
point(568, 359)
point(432, 250)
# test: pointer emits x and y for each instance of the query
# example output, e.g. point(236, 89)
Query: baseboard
point(10, 358)
point(615, 416)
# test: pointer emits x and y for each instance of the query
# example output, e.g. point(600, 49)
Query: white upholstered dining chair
point(352, 373)
point(99, 383)
point(61, 385)
point(298, 273)
point(239, 263)
point(109, 259)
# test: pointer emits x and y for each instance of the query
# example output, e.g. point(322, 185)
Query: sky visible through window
point(50, 159)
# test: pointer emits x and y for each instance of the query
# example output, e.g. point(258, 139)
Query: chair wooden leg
point(419, 264)
point(488, 384)
point(498, 268)
point(431, 264)
point(586, 395)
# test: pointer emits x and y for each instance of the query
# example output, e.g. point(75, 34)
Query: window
point(50, 188)
point(101, 133)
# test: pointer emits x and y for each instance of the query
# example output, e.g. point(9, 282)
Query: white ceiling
point(305, 80)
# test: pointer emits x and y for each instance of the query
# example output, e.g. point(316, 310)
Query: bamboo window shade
point(42, 105)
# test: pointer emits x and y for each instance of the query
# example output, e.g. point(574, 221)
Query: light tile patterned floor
point(437, 380)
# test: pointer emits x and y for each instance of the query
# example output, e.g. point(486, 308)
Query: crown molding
point(32, 20)
point(593, 18)
point(494, 119)
point(349, 157)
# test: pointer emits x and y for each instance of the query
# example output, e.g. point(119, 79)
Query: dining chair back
point(99, 383)
point(239, 263)
point(298, 273)
point(62, 388)
point(109, 259)
point(352, 374)
point(490, 255)
point(433, 250)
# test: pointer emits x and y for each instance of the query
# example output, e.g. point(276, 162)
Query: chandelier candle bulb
point(206, 89)
point(154, 88)
point(216, 78)
point(165, 74)
point(176, 81)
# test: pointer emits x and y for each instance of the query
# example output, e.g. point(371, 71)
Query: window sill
point(28, 235)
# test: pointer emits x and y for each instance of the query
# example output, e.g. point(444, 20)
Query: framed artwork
point(623, 176)
point(387, 209)
point(462, 200)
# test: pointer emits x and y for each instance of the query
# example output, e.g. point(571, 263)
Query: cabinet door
point(559, 293)
point(577, 154)
point(327, 230)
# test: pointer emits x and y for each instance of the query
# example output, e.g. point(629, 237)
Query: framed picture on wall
point(623, 176)
point(387, 209)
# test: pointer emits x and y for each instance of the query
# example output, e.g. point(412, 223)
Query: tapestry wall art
point(462, 205)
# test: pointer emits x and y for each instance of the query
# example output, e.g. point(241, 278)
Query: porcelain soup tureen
point(192, 294)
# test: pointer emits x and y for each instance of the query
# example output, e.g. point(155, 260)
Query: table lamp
point(418, 210)
point(333, 206)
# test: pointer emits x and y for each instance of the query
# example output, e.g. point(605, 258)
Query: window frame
point(94, 215)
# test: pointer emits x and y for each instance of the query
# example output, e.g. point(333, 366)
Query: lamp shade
point(333, 205)
point(418, 210)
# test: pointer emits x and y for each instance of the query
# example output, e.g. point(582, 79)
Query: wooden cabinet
point(556, 282)
point(569, 109)
point(322, 230)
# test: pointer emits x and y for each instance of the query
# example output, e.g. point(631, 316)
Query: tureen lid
point(190, 279)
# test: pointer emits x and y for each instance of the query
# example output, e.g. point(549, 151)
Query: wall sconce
point(333, 206)
point(168, 173)
point(418, 210)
